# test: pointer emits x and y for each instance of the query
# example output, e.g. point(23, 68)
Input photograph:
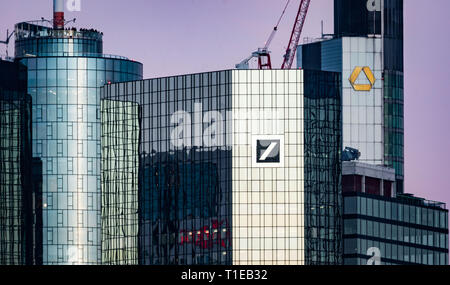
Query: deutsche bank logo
point(268, 151)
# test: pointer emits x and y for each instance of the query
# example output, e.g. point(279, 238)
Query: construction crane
point(8, 37)
point(263, 54)
point(6, 42)
point(295, 35)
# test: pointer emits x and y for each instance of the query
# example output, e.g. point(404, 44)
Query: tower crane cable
point(275, 29)
point(8, 37)
point(6, 42)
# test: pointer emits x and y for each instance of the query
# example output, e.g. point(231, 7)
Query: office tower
point(66, 68)
point(382, 227)
point(15, 165)
point(367, 48)
point(227, 167)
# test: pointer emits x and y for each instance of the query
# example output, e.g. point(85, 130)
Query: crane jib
point(295, 35)
point(263, 54)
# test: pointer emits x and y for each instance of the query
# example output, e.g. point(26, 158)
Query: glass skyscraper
point(368, 34)
point(362, 111)
point(15, 163)
point(233, 167)
point(385, 228)
point(66, 68)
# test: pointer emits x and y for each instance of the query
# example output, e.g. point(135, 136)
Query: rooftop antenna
point(59, 22)
point(324, 35)
point(58, 14)
point(321, 23)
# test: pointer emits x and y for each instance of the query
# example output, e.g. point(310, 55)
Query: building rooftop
point(365, 169)
point(42, 29)
point(410, 198)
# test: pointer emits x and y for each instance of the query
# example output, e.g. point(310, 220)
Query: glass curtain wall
point(64, 79)
point(323, 143)
point(120, 170)
point(406, 231)
point(15, 176)
point(184, 194)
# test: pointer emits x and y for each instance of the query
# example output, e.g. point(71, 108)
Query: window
point(369, 207)
point(370, 228)
point(350, 246)
point(373, 186)
point(376, 208)
point(404, 253)
point(400, 212)
point(51, 63)
point(42, 78)
point(42, 63)
point(418, 236)
point(406, 234)
point(430, 217)
point(406, 213)
point(363, 208)
point(412, 254)
point(412, 214)
point(382, 209)
point(350, 227)
point(60, 113)
point(388, 231)
point(49, 166)
point(387, 188)
point(350, 205)
point(424, 216)
point(363, 230)
point(394, 211)
point(351, 183)
point(394, 251)
point(383, 230)
point(72, 63)
point(388, 250)
point(442, 220)
point(62, 77)
point(442, 241)
point(51, 77)
point(388, 214)
point(412, 235)
point(376, 229)
point(60, 148)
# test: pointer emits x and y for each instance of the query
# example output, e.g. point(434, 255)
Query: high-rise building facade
point(232, 167)
point(385, 228)
point(368, 49)
point(66, 68)
point(362, 111)
point(16, 221)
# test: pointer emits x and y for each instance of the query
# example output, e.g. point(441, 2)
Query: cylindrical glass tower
point(66, 69)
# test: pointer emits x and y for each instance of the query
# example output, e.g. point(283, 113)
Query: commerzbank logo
point(357, 73)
